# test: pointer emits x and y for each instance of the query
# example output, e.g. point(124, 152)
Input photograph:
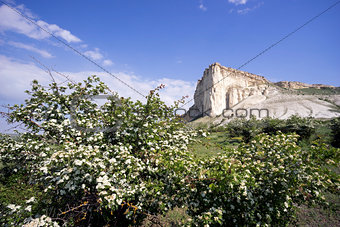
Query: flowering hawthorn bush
point(117, 163)
point(260, 183)
point(97, 176)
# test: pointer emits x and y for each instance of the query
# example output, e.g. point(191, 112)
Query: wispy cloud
point(201, 6)
point(11, 21)
point(107, 62)
point(24, 10)
point(16, 77)
point(238, 2)
point(43, 53)
point(94, 54)
point(244, 11)
point(59, 32)
point(249, 9)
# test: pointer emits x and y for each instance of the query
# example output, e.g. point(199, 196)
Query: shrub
point(271, 125)
point(243, 127)
point(98, 176)
point(335, 126)
point(260, 183)
point(304, 127)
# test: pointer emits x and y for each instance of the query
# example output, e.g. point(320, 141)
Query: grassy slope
point(212, 145)
point(321, 91)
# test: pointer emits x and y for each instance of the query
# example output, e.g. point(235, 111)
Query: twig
point(65, 76)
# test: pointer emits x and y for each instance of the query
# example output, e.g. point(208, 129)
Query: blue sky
point(149, 42)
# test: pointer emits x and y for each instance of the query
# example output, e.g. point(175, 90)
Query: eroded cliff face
point(222, 87)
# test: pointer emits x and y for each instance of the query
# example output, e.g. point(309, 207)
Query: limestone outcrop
point(222, 87)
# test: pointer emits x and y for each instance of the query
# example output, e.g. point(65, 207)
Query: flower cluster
point(42, 221)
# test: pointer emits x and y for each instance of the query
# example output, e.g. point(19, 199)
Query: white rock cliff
point(222, 88)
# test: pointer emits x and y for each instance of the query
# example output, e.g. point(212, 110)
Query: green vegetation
point(135, 164)
point(321, 91)
point(214, 144)
point(315, 138)
point(247, 129)
point(335, 126)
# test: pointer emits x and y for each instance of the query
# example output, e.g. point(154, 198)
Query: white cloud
point(238, 2)
point(94, 55)
point(11, 21)
point(201, 6)
point(16, 77)
point(24, 10)
point(12, 2)
point(43, 53)
point(59, 32)
point(107, 62)
point(244, 11)
point(247, 10)
point(173, 91)
point(176, 89)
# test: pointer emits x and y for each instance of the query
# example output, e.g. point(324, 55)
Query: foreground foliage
point(262, 182)
point(249, 128)
point(128, 160)
point(335, 126)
